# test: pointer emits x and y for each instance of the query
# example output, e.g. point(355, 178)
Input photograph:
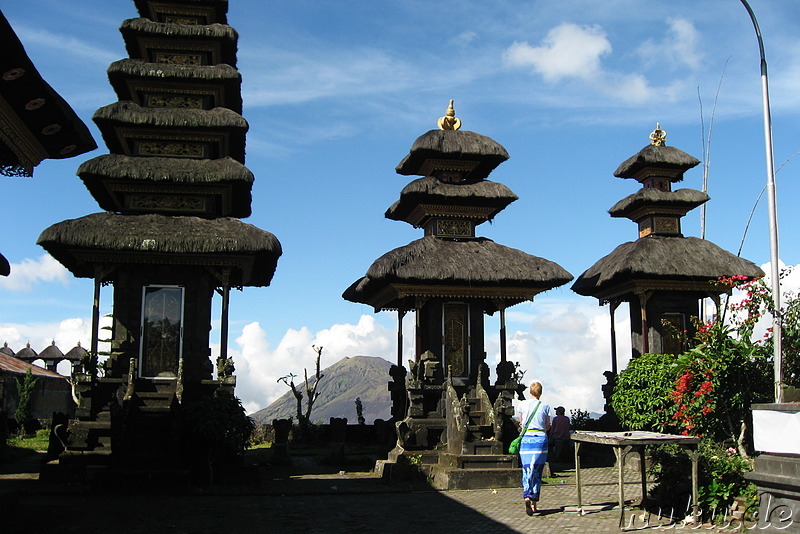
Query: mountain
point(365, 377)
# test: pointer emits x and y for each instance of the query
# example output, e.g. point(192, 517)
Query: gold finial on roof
point(658, 137)
point(449, 121)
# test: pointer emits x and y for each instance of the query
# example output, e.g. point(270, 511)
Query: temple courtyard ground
point(309, 501)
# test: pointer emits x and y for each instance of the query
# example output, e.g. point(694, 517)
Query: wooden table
point(625, 442)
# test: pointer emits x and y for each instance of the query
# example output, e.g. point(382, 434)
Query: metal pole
point(773, 217)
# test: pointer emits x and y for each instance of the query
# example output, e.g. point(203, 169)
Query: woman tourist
point(534, 421)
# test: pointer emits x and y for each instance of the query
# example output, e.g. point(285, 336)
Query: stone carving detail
point(174, 101)
point(453, 228)
point(173, 149)
point(165, 203)
point(172, 58)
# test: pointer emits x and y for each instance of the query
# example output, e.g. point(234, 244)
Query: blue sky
point(335, 94)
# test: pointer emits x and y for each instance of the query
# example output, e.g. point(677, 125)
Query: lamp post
point(773, 216)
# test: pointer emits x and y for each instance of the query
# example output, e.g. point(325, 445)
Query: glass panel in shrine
point(456, 338)
point(162, 329)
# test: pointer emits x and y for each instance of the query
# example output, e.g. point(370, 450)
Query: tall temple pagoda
point(450, 278)
point(173, 189)
point(663, 275)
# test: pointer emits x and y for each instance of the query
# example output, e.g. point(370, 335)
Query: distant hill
point(365, 377)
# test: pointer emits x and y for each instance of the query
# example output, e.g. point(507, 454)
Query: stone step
point(451, 478)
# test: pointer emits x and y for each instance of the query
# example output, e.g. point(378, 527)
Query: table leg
point(619, 452)
point(578, 472)
point(643, 469)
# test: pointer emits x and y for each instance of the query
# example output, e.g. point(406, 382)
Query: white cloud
point(25, 275)
point(572, 53)
point(566, 344)
point(678, 48)
point(568, 51)
point(57, 43)
point(291, 78)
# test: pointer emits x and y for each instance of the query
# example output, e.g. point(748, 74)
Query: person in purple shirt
point(559, 435)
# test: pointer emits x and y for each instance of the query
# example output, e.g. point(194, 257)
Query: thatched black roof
point(476, 263)
point(51, 352)
point(187, 173)
point(76, 353)
point(216, 9)
point(220, 38)
point(666, 157)
point(42, 124)
point(108, 238)
point(127, 73)
point(5, 268)
point(665, 259)
point(177, 120)
point(429, 189)
point(454, 145)
point(685, 199)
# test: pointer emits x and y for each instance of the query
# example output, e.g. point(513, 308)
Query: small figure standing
point(559, 435)
point(534, 419)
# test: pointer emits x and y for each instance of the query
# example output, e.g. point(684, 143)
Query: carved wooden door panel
point(162, 329)
point(456, 338)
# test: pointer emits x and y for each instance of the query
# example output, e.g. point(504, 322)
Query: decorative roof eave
point(130, 113)
point(210, 11)
point(394, 296)
point(422, 213)
point(487, 197)
point(36, 123)
point(107, 238)
point(155, 169)
point(221, 130)
point(453, 145)
point(215, 85)
point(631, 289)
point(219, 41)
point(654, 158)
point(477, 262)
point(660, 258)
point(649, 200)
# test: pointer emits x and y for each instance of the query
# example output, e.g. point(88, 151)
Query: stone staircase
point(470, 454)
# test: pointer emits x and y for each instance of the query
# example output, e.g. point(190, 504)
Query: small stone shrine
point(173, 189)
point(445, 408)
point(663, 275)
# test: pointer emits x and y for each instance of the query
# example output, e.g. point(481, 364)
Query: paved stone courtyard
point(329, 503)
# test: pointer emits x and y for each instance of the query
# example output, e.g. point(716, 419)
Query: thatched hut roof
point(220, 38)
point(76, 353)
point(51, 352)
point(108, 238)
point(660, 258)
point(218, 9)
point(685, 199)
point(470, 264)
point(127, 73)
point(5, 349)
point(37, 123)
point(665, 157)
point(27, 354)
point(431, 190)
point(453, 145)
point(102, 174)
point(178, 120)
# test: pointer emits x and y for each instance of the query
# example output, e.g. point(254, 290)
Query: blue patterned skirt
point(533, 455)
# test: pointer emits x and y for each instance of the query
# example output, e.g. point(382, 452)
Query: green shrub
point(641, 397)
